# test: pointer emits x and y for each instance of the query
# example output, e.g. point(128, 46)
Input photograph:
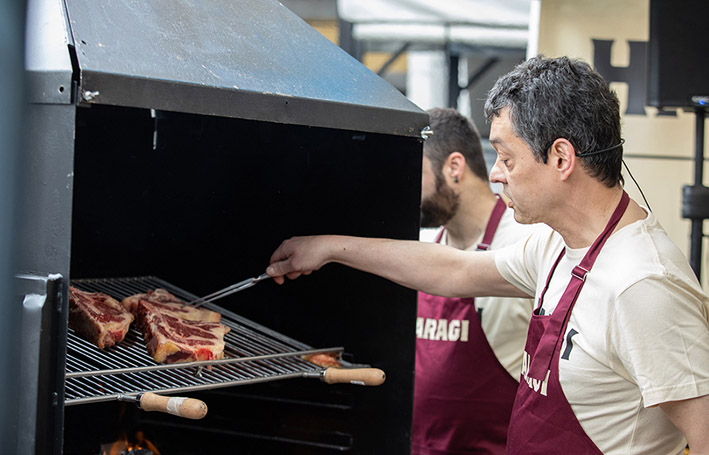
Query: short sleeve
point(520, 263)
point(660, 333)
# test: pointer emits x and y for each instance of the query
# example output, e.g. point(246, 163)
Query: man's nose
point(496, 174)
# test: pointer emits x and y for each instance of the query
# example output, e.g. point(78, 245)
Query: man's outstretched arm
point(427, 267)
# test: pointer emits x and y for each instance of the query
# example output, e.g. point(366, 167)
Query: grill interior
point(253, 353)
point(200, 201)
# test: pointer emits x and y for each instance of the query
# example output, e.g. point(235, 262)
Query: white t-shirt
point(639, 333)
point(504, 321)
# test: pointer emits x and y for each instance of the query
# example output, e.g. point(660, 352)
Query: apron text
point(534, 384)
point(442, 329)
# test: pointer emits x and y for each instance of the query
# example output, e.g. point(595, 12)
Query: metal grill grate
point(253, 353)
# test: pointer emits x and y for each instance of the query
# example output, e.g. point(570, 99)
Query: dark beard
point(439, 208)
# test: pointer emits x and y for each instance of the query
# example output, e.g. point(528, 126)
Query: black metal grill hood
point(251, 59)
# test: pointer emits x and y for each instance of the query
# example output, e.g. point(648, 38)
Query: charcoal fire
point(123, 446)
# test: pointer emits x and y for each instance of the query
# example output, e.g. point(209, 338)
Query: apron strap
point(490, 229)
point(551, 273)
point(541, 361)
point(440, 235)
point(492, 224)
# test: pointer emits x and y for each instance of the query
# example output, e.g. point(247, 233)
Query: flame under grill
point(253, 353)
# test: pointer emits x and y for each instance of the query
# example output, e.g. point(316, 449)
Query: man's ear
point(454, 166)
point(562, 156)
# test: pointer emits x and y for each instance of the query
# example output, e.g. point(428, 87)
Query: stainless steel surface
point(32, 305)
point(250, 59)
point(47, 173)
point(135, 399)
point(41, 372)
point(47, 58)
point(253, 353)
point(229, 290)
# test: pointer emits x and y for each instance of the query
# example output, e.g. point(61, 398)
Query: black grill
point(186, 140)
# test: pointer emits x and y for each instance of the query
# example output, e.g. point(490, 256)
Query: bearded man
point(463, 338)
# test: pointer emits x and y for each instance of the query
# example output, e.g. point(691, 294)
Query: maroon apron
point(463, 396)
point(542, 419)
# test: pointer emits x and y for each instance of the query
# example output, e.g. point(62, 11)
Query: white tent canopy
point(475, 23)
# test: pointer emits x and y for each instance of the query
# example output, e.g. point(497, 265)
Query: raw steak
point(98, 317)
point(167, 303)
point(170, 331)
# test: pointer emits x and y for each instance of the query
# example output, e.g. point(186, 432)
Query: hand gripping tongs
point(240, 286)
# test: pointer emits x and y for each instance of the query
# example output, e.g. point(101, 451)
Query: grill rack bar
point(253, 353)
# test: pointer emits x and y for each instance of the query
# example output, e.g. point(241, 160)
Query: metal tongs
point(240, 286)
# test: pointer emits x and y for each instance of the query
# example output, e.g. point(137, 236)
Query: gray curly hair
point(551, 98)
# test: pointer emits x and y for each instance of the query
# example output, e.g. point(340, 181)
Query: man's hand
point(298, 256)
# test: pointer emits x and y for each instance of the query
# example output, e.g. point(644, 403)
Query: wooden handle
point(178, 406)
point(359, 376)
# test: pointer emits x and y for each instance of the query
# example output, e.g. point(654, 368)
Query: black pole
point(347, 40)
point(385, 67)
point(452, 60)
point(697, 234)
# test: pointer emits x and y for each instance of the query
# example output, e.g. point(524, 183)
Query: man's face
point(523, 178)
point(439, 203)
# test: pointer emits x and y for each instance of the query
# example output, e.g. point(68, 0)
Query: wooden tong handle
point(359, 376)
point(182, 407)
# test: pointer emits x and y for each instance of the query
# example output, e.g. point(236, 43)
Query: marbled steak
point(98, 317)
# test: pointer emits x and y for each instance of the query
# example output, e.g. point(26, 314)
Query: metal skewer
point(234, 288)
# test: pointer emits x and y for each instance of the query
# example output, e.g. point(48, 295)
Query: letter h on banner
point(634, 74)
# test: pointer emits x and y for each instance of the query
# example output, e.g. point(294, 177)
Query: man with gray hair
point(617, 353)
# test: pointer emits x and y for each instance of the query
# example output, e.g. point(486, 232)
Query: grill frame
point(253, 353)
